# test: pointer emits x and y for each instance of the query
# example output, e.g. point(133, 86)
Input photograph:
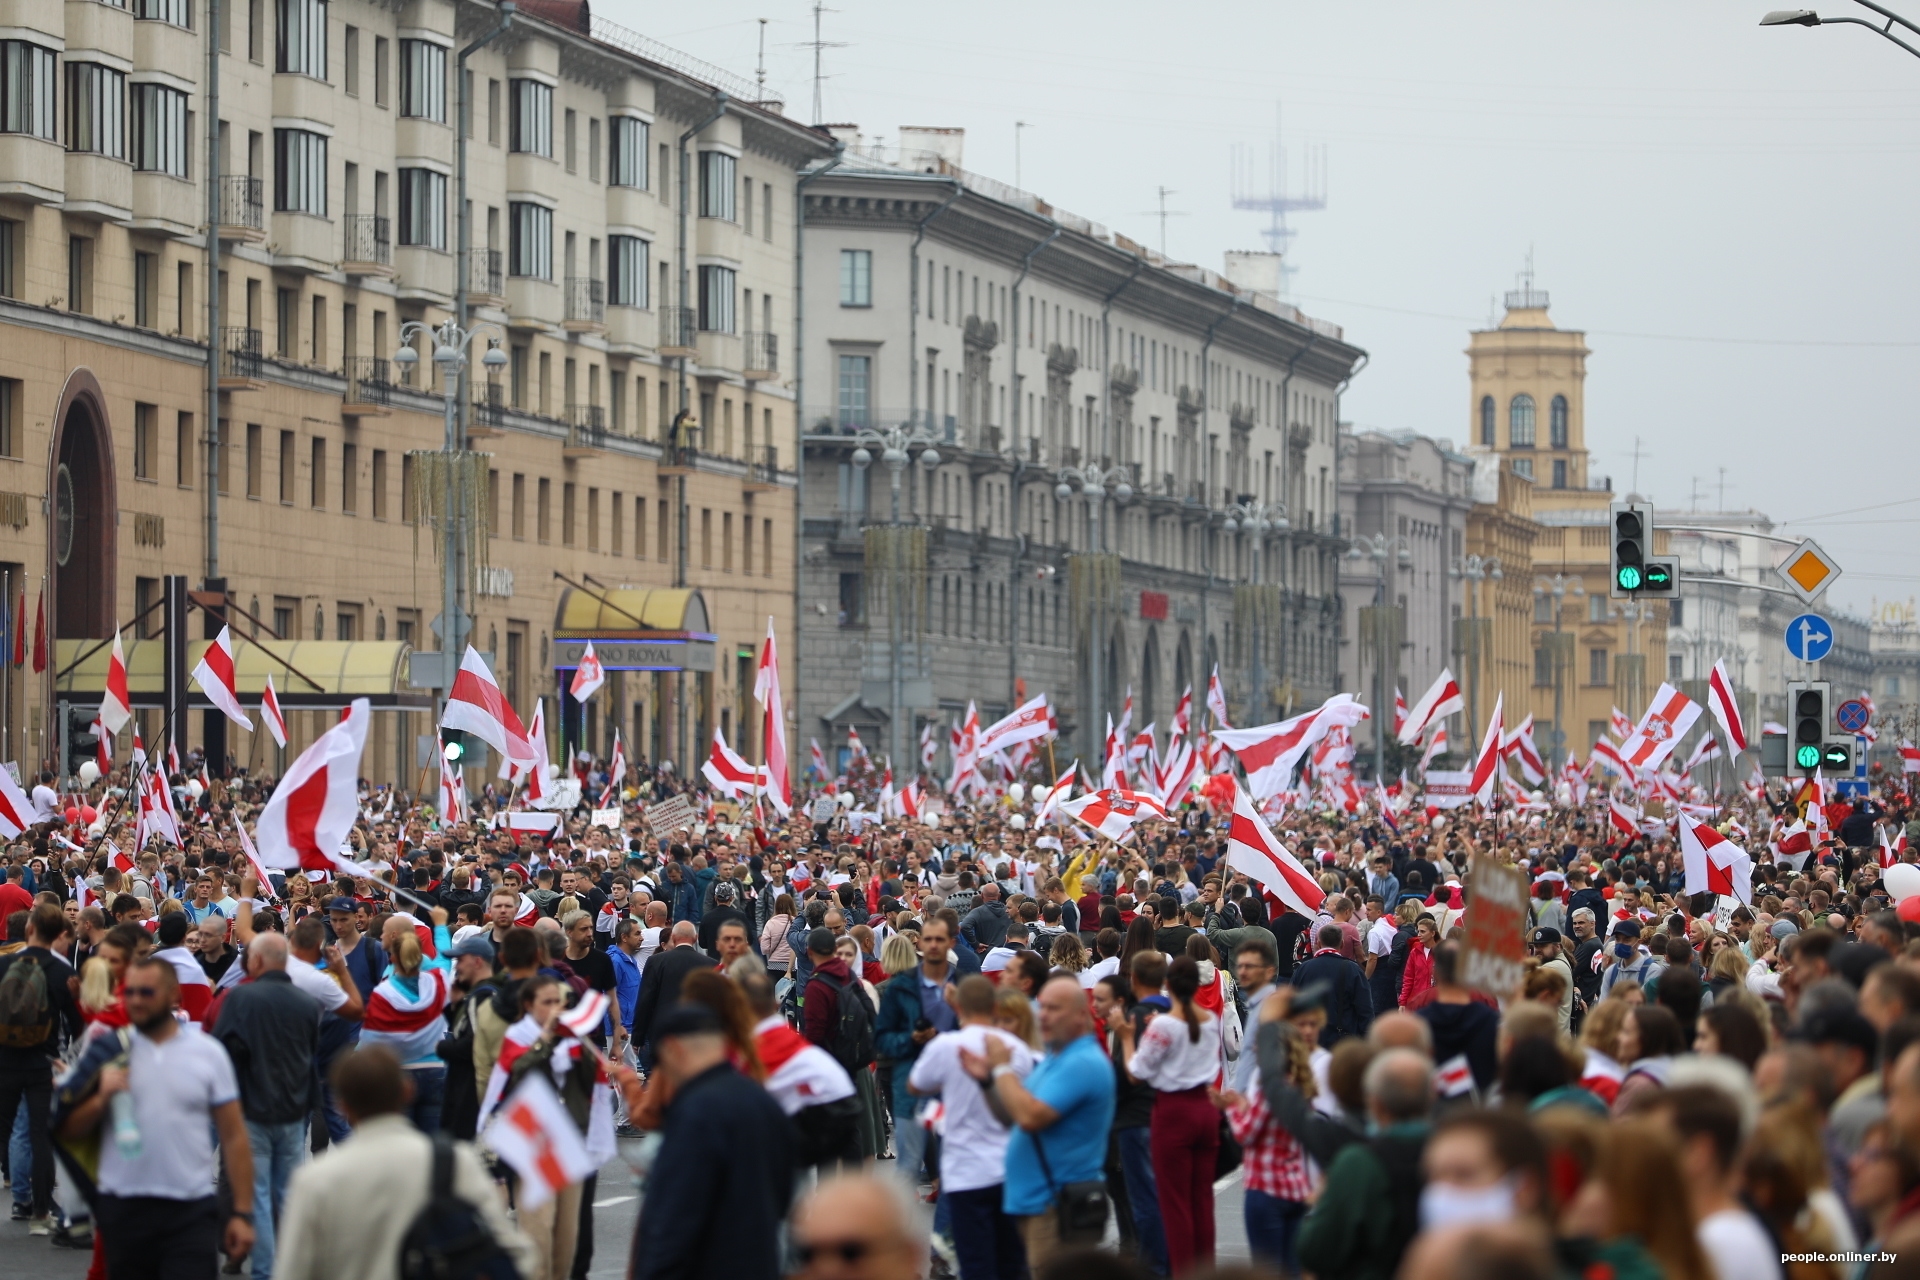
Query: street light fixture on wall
point(904, 555)
point(1259, 521)
point(1097, 483)
point(1808, 18)
point(1470, 641)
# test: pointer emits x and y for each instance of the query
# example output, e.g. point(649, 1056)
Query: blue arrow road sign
point(1809, 637)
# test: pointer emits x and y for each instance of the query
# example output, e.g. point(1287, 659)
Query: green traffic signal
point(1630, 577)
point(1836, 756)
point(1806, 756)
point(1658, 577)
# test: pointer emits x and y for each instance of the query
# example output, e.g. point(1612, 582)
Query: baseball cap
point(1628, 928)
point(723, 893)
point(1784, 929)
point(1546, 936)
point(472, 945)
point(343, 904)
point(686, 1019)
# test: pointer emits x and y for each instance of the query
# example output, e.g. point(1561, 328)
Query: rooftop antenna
point(817, 44)
point(1163, 213)
point(760, 71)
point(1018, 125)
point(1276, 202)
point(1638, 453)
point(1723, 488)
point(1693, 498)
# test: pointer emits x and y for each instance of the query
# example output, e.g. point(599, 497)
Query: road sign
point(1809, 637)
point(1808, 571)
point(1853, 715)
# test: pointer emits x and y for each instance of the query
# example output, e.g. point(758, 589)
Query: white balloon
point(89, 773)
point(194, 788)
point(844, 799)
point(1015, 792)
point(1018, 822)
point(1902, 880)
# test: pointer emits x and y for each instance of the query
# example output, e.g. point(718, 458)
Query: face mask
point(1445, 1205)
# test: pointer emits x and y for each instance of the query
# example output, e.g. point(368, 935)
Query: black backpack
point(450, 1240)
point(852, 1045)
point(25, 1014)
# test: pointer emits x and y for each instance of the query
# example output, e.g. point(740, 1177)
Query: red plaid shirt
point(1274, 1161)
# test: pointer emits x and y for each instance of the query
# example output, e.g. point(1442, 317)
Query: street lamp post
point(1808, 18)
point(1257, 520)
point(450, 343)
point(1474, 569)
point(897, 446)
point(1378, 548)
point(1093, 480)
point(1557, 588)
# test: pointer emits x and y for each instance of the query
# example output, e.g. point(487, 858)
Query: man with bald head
point(1401, 1030)
point(660, 982)
point(856, 1227)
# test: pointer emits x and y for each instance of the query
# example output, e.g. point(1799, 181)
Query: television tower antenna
point(1277, 201)
point(817, 44)
point(1163, 213)
point(760, 70)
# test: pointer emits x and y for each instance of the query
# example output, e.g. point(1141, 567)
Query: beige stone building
point(633, 253)
point(1579, 654)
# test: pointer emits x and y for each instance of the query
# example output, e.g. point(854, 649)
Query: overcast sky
point(1726, 210)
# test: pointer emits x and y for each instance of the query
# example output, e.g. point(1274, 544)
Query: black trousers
point(583, 1244)
point(148, 1238)
point(31, 1087)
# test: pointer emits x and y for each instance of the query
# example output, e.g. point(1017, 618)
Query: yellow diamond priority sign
point(1808, 570)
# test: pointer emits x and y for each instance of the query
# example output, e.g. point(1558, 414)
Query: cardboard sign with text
point(668, 816)
point(1496, 949)
point(1448, 789)
point(608, 818)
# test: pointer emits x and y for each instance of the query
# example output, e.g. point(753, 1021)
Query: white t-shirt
point(1091, 975)
point(1737, 1246)
point(973, 1151)
point(46, 803)
point(309, 979)
point(649, 943)
point(176, 1086)
point(1380, 937)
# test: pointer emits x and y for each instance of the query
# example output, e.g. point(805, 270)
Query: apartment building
point(1039, 455)
point(632, 253)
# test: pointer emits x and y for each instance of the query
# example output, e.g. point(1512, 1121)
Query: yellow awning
point(306, 673)
point(631, 613)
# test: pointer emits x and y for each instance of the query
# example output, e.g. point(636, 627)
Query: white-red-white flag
point(1714, 864)
point(1254, 849)
point(929, 746)
point(616, 769)
point(307, 819)
point(1269, 753)
point(966, 754)
point(1183, 714)
point(16, 810)
point(1519, 747)
point(588, 676)
point(1437, 703)
point(1626, 821)
point(116, 705)
point(1217, 700)
point(539, 788)
point(773, 736)
point(532, 1131)
point(476, 706)
point(253, 857)
point(1726, 708)
point(1179, 773)
point(1112, 811)
point(1032, 720)
point(1909, 757)
point(1608, 756)
point(1047, 799)
point(214, 674)
point(1708, 748)
point(1667, 720)
point(1619, 724)
point(729, 774)
point(453, 792)
point(819, 762)
point(1436, 746)
point(270, 714)
point(1399, 710)
point(1487, 763)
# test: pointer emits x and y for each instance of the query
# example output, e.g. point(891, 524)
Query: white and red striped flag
point(616, 771)
point(1436, 746)
point(476, 706)
point(728, 773)
point(1254, 849)
point(1519, 746)
point(1487, 763)
point(1608, 756)
point(214, 674)
point(453, 793)
point(1708, 748)
point(1437, 703)
point(16, 810)
point(1183, 714)
point(532, 1131)
point(1217, 700)
point(1619, 724)
point(1032, 720)
point(1112, 811)
point(588, 676)
point(1269, 753)
point(270, 713)
point(1399, 710)
point(966, 754)
point(116, 705)
point(1909, 757)
point(1626, 821)
point(766, 691)
point(1714, 864)
point(1726, 708)
point(818, 762)
point(306, 822)
point(253, 857)
point(929, 747)
point(586, 1017)
point(1667, 720)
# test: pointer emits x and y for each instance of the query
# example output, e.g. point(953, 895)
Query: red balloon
point(88, 813)
point(1910, 910)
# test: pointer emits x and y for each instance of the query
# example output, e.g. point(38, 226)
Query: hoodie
point(821, 1012)
point(986, 925)
point(1472, 1029)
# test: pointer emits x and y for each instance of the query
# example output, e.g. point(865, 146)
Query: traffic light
point(1659, 574)
point(1632, 526)
point(1836, 756)
point(1807, 725)
point(81, 745)
point(454, 747)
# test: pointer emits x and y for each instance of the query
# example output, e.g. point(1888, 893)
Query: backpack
point(852, 1045)
point(25, 1015)
point(449, 1239)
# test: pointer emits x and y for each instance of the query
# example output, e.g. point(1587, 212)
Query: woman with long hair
point(1069, 955)
point(1650, 1036)
point(1013, 1014)
point(1417, 977)
point(1139, 938)
point(873, 1123)
point(1180, 1054)
point(407, 1012)
point(773, 938)
point(1216, 997)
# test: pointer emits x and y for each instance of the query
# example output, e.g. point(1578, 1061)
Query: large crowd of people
point(966, 1044)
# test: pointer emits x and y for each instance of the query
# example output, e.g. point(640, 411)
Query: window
point(1557, 425)
point(255, 443)
point(317, 490)
point(1543, 666)
point(1676, 613)
point(530, 240)
point(183, 450)
point(543, 511)
point(1559, 473)
point(532, 125)
point(1523, 467)
point(380, 71)
point(96, 110)
point(493, 113)
point(570, 136)
point(1486, 421)
point(626, 271)
point(1676, 667)
point(766, 212)
point(1596, 608)
point(146, 441)
point(566, 513)
point(519, 507)
point(302, 47)
point(288, 463)
point(423, 208)
point(1520, 422)
point(423, 80)
point(1596, 666)
point(80, 274)
point(716, 299)
point(350, 57)
point(9, 258)
point(856, 277)
point(1543, 608)
point(177, 12)
point(593, 151)
point(299, 172)
point(159, 130)
point(856, 380)
point(626, 152)
point(146, 280)
point(717, 183)
point(350, 478)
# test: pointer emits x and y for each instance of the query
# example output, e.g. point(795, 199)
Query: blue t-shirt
point(1077, 1083)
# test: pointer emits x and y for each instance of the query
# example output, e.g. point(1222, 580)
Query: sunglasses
point(145, 993)
point(848, 1252)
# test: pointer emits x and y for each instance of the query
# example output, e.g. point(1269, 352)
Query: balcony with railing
point(489, 413)
point(242, 211)
point(679, 332)
point(369, 245)
point(586, 304)
point(761, 358)
point(484, 269)
point(763, 468)
point(242, 367)
point(586, 431)
point(369, 391)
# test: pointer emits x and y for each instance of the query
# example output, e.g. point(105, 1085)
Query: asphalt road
point(616, 1205)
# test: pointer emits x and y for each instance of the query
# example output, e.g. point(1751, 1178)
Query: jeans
point(1143, 1196)
point(278, 1149)
point(429, 1093)
point(1186, 1145)
point(909, 1139)
point(20, 1157)
point(1273, 1231)
point(30, 1089)
point(148, 1238)
point(985, 1241)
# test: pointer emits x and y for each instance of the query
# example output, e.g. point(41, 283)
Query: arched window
point(1486, 421)
point(1520, 422)
point(1557, 422)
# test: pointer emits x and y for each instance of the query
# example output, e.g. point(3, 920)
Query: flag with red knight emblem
point(1667, 720)
point(1112, 811)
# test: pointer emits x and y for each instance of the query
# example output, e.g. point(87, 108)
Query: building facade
point(1076, 457)
point(632, 254)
